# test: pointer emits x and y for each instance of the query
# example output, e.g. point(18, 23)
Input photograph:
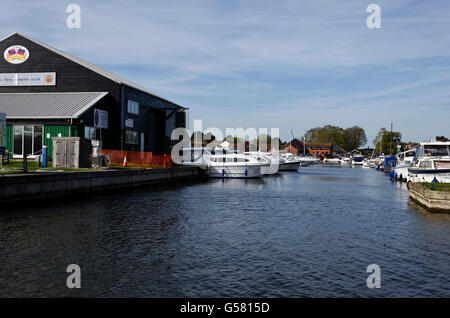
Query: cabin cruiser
point(404, 161)
point(273, 158)
point(332, 160)
point(289, 162)
point(431, 163)
point(346, 161)
point(307, 161)
point(357, 160)
point(221, 163)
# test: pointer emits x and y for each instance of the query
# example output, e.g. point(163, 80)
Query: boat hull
point(400, 173)
point(243, 172)
point(289, 166)
point(428, 175)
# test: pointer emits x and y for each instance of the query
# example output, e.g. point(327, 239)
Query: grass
point(437, 186)
point(16, 166)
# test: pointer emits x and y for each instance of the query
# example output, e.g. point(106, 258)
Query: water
point(306, 234)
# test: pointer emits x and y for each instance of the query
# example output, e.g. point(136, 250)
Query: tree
point(387, 141)
point(327, 134)
point(354, 137)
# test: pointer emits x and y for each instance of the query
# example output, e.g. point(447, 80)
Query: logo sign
point(129, 123)
point(100, 118)
point(28, 79)
point(2, 132)
point(16, 54)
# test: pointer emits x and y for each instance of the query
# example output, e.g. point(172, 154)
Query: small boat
point(357, 160)
point(332, 160)
point(346, 161)
point(289, 162)
point(307, 161)
point(404, 161)
point(389, 164)
point(431, 163)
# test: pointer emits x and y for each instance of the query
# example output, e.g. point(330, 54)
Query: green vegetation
point(437, 186)
point(16, 167)
point(348, 139)
point(388, 141)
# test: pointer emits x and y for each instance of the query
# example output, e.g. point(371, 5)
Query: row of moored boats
point(429, 163)
point(224, 163)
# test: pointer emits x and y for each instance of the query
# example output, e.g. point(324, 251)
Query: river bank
point(20, 188)
point(433, 197)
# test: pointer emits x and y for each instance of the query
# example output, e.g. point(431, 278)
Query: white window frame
point(23, 140)
point(133, 107)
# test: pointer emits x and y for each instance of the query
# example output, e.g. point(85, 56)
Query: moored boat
point(431, 163)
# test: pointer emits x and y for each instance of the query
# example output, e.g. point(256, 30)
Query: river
point(310, 233)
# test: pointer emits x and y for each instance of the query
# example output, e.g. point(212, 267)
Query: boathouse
point(48, 93)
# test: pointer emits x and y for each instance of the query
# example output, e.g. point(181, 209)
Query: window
point(27, 139)
point(133, 107)
point(131, 137)
point(89, 133)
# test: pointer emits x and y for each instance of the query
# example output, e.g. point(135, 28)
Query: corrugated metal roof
point(48, 105)
point(114, 77)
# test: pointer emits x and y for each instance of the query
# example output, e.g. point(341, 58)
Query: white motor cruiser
point(404, 161)
point(221, 163)
point(289, 162)
point(357, 160)
point(431, 163)
point(307, 161)
point(272, 158)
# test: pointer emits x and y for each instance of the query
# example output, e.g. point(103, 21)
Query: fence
point(138, 159)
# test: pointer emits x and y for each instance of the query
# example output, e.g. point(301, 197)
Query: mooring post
point(25, 164)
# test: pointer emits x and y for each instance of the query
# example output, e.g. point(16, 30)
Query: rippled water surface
point(311, 233)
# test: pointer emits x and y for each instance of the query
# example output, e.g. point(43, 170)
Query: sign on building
point(2, 133)
point(100, 118)
point(16, 54)
point(28, 79)
point(129, 123)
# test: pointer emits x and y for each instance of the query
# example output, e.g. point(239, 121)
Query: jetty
point(431, 200)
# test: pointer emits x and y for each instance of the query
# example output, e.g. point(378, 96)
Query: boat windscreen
point(436, 151)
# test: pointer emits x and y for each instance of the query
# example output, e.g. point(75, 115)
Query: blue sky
point(252, 63)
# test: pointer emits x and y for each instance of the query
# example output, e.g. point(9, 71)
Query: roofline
point(74, 116)
point(92, 103)
point(101, 71)
point(40, 117)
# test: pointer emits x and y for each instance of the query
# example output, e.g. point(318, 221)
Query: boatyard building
point(47, 93)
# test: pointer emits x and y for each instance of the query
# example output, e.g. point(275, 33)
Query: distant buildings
point(318, 150)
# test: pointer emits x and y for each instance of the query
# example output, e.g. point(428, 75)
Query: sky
point(292, 65)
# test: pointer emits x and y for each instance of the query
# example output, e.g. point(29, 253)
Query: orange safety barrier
point(138, 159)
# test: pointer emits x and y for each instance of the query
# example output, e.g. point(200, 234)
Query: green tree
point(326, 134)
point(354, 137)
point(387, 141)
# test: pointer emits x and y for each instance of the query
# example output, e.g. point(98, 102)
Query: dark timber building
point(47, 93)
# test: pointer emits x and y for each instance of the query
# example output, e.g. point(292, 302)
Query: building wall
point(73, 77)
point(70, 76)
point(153, 120)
